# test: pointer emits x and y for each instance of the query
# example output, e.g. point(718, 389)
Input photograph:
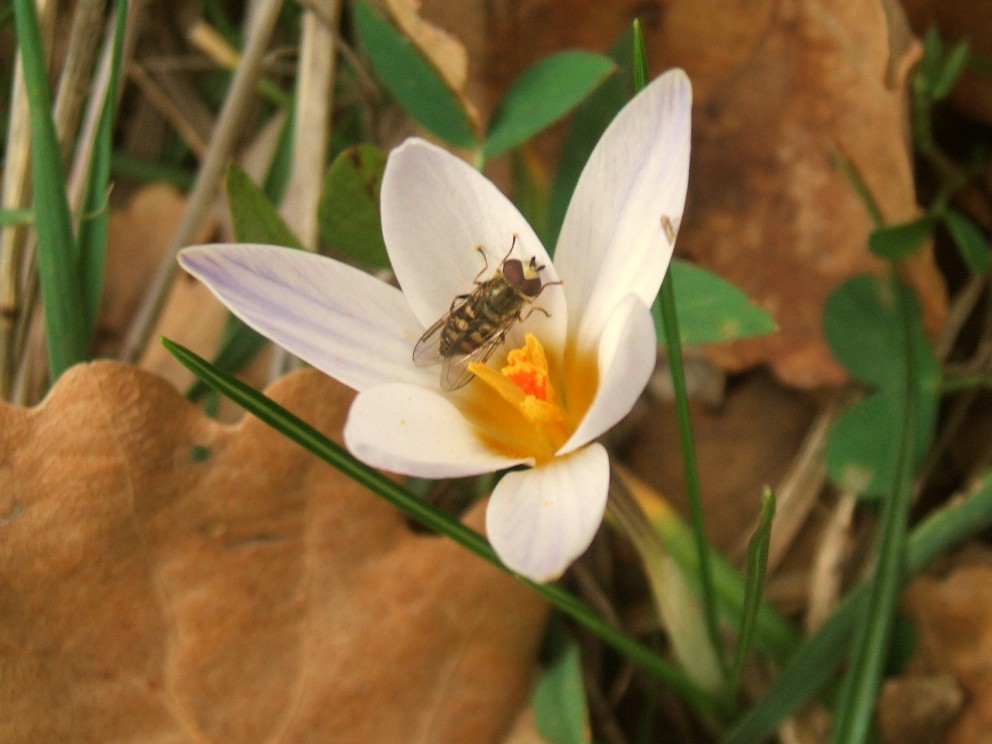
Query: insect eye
point(531, 287)
point(513, 270)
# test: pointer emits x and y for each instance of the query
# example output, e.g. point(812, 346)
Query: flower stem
point(693, 490)
point(677, 606)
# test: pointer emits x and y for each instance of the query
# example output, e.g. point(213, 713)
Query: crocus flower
point(571, 367)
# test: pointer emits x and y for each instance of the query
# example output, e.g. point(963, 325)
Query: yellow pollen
point(527, 368)
point(524, 383)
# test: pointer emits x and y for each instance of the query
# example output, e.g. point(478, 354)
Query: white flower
point(593, 344)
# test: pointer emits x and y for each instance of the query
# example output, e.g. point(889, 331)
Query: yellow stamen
point(525, 384)
point(527, 367)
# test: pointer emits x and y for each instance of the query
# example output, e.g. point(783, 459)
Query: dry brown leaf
point(137, 236)
point(918, 707)
point(780, 88)
point(170, 579)
point(953, 621)
point(773, 213)
point(745, 444)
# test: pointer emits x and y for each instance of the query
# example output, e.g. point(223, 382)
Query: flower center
point(542, 425)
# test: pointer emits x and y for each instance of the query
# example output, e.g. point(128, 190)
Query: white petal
point(407, 429)
point(435, 210)
point(626, 357)
point(339, 319)
point(615, 239)
point(540, 520)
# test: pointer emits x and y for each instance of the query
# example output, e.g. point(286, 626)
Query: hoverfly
point(477, 323)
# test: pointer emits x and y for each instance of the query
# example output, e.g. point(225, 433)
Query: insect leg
point(482, 252)
point(531, 312)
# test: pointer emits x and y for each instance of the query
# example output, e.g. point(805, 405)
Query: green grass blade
point(674, 345)
point(864, 328)
point(814, 663)
point(142, 171)
point(530, 191)
point(276, 180)
point(58, 265)
point(16, 217)
point(334, 454)
point(774, 636)
point(93, 228)
point(853, 719)
point(757, 567)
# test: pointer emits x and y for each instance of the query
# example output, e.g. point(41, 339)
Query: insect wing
point(427, 352)
point(454, 370)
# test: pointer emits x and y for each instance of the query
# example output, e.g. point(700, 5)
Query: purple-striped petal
point(344, 322)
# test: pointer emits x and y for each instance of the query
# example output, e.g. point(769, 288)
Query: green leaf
point(255, 220)
point(586, 126)
point(930, 62)
point(413, 81)
point(970, 241)
point(859, 451)
point(863, 330)
point(860, 328)
point(58, 253)
point(348, 212)
point(757, 568)
point(93, 228)
point(543, 94)
point(711, 309)
point(560, 700)
point(954, 64)
point(896, 241)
